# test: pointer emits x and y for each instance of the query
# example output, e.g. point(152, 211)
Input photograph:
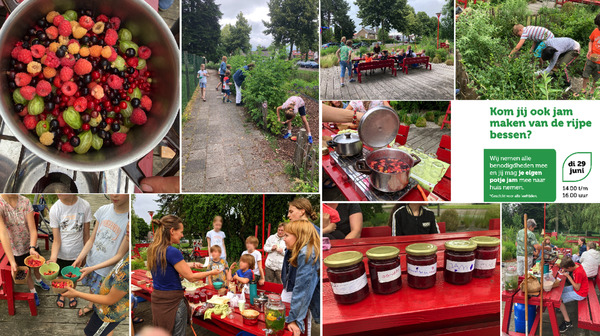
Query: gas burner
point(361, 181)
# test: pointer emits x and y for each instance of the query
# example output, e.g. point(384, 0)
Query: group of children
point(562, 51)
point(97, 254)
point(224, 83)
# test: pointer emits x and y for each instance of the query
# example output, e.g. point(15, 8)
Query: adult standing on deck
point(533, 247)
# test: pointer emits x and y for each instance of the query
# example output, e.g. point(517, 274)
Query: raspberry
point(15, 52)
point(43, 88)
point(79, 32)
point(68, 61)
point(98, 92)
point(38, 50)
point(66, 147)
point(57, 20)
point(57, 82)
point(22, 79)
point(73, 48)
point(30, 122)
point(64, 28)
point(69, 88)
point(63, 40)
point(144, 52)
point(107, 52)
point(138, 116)
point(96, 51)
point(66, 74)
point(53, 46)
point(98, 28)
point(49, 72)
point(28, 92)
point(133, 62)
point(102, 18)
point(51, 60)
point(113, 56)
point(80, 104)
point(86, 22)
point(115, 82)
point(111, 37)
point(47, 138)
point(118, 138)
point(83, 67)
point(52, 32)
point(24, 56)
point(116, 22)
point(34, 68)
point(146, 103)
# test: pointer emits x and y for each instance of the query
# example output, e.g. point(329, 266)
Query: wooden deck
point(419, 84)
point(427, 138)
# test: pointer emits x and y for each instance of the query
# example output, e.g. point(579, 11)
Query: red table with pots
point(551, 301)
point(220, 326)
point(470, 309)
point(337, 175)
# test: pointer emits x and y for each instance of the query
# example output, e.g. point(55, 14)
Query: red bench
point(415, 60)
point(589, 309)
point(388, 63)
point(7, 287)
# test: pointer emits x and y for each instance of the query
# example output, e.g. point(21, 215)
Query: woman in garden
point(300, 274)
point(275, 247)
point(582, 248)
point(170, 310)
point(238, 79)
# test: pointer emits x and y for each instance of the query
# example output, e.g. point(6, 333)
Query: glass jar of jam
point(346, 272)
point(421, 265)
point(459, 261)
point(384, 269)
point(486, 255)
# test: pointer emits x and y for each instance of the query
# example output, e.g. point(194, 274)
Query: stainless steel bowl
point(148, 29)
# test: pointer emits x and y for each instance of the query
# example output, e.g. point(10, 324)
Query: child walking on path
point(226, 90)
point(344, 55)
point(222, 69)
point(293, 106)
point(202, 76)
point(70, 219)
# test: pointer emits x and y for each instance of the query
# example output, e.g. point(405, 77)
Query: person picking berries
point(293, 106)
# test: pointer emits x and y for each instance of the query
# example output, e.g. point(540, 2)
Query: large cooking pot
point(346, 144)
point(148, 29)
point(387, 182)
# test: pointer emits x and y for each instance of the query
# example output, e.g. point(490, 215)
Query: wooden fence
point(306, 160)
point(189, 82)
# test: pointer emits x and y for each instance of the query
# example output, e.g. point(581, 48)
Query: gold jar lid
point(485, 241)
point(421, 249)
point(383, 253)
point(460, 245)
point(343, 259)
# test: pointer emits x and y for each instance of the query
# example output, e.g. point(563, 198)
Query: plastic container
point(520, 317)
point(51, 267)
point(30, 258)
point(486, 255)
point(511, 278)
point(70, 269)
point(20, 271)
point(459, 261)
point(384, 269)
point(347, 275)
point(421, 265)
point(61, 290)
point(217, 284)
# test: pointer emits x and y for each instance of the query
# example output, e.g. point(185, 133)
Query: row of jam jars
point(486, 255)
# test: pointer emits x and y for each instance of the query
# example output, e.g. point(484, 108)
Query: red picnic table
point(347, 187)
point(7, 287)
point(217, 325)
point(470, 309)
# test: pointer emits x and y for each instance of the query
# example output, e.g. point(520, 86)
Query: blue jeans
point(346, 65)
point(569, 295)
point(165, 4)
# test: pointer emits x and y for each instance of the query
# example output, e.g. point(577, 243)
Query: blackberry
point(19, 107)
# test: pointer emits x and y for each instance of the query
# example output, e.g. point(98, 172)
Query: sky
point(428, 6)
point(254, 11)
point(144, 203)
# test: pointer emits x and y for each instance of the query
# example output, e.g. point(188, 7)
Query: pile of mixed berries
point(34, 263)
point(70, 275)
point(49, 272)
point(60, 284)
point(79, 82)
point(21, 275)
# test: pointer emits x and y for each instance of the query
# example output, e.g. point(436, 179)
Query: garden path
point(419, 84)
point(534, 7)
point(225, 152)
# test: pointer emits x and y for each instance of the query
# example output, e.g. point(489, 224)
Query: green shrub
point(442, 54)
point(509, 252)
point(490, 214)
point(430, 116)
point(137, 263)
point(414, 117)
point(328, 61)
point(329, 50)
point(436, 60)
point(451, 218)
point(421, 122)
point(450, 62)
point(213, 65)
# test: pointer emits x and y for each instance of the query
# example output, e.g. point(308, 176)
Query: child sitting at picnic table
point(245, 273)
point(165, 262)
point(294, 105)
point(559, 51)
point(533, 33)
point(18, 230)
point(576, 289)
point(251, 246)
point(111, 304)
point(217, 263)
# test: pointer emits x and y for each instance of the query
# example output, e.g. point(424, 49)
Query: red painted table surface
point(551, 301)
point(346, 186)
point(362, 245)
point(224, 326)
point(426, 311)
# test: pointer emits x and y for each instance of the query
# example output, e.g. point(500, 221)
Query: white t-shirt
point(69, 220)
point(257, 259)
point(297, 101)
point(111, 232)
point(217, 238)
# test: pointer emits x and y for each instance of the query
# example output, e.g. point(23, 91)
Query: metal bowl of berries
point(114, 48)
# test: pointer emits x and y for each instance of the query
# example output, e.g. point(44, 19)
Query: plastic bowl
point(51, 267)
point(28, 259)
point(60, 290)
point(250, 317)
point(71, 269)
point(217, 284)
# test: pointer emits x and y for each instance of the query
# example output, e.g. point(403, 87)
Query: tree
point(293, 22)
point(447, 21)
point(201, 29)
point(334, 13)
point(382, 35)
point(237, 37)
point(384, 14)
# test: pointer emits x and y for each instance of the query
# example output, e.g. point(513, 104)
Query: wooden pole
point(526, 277)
